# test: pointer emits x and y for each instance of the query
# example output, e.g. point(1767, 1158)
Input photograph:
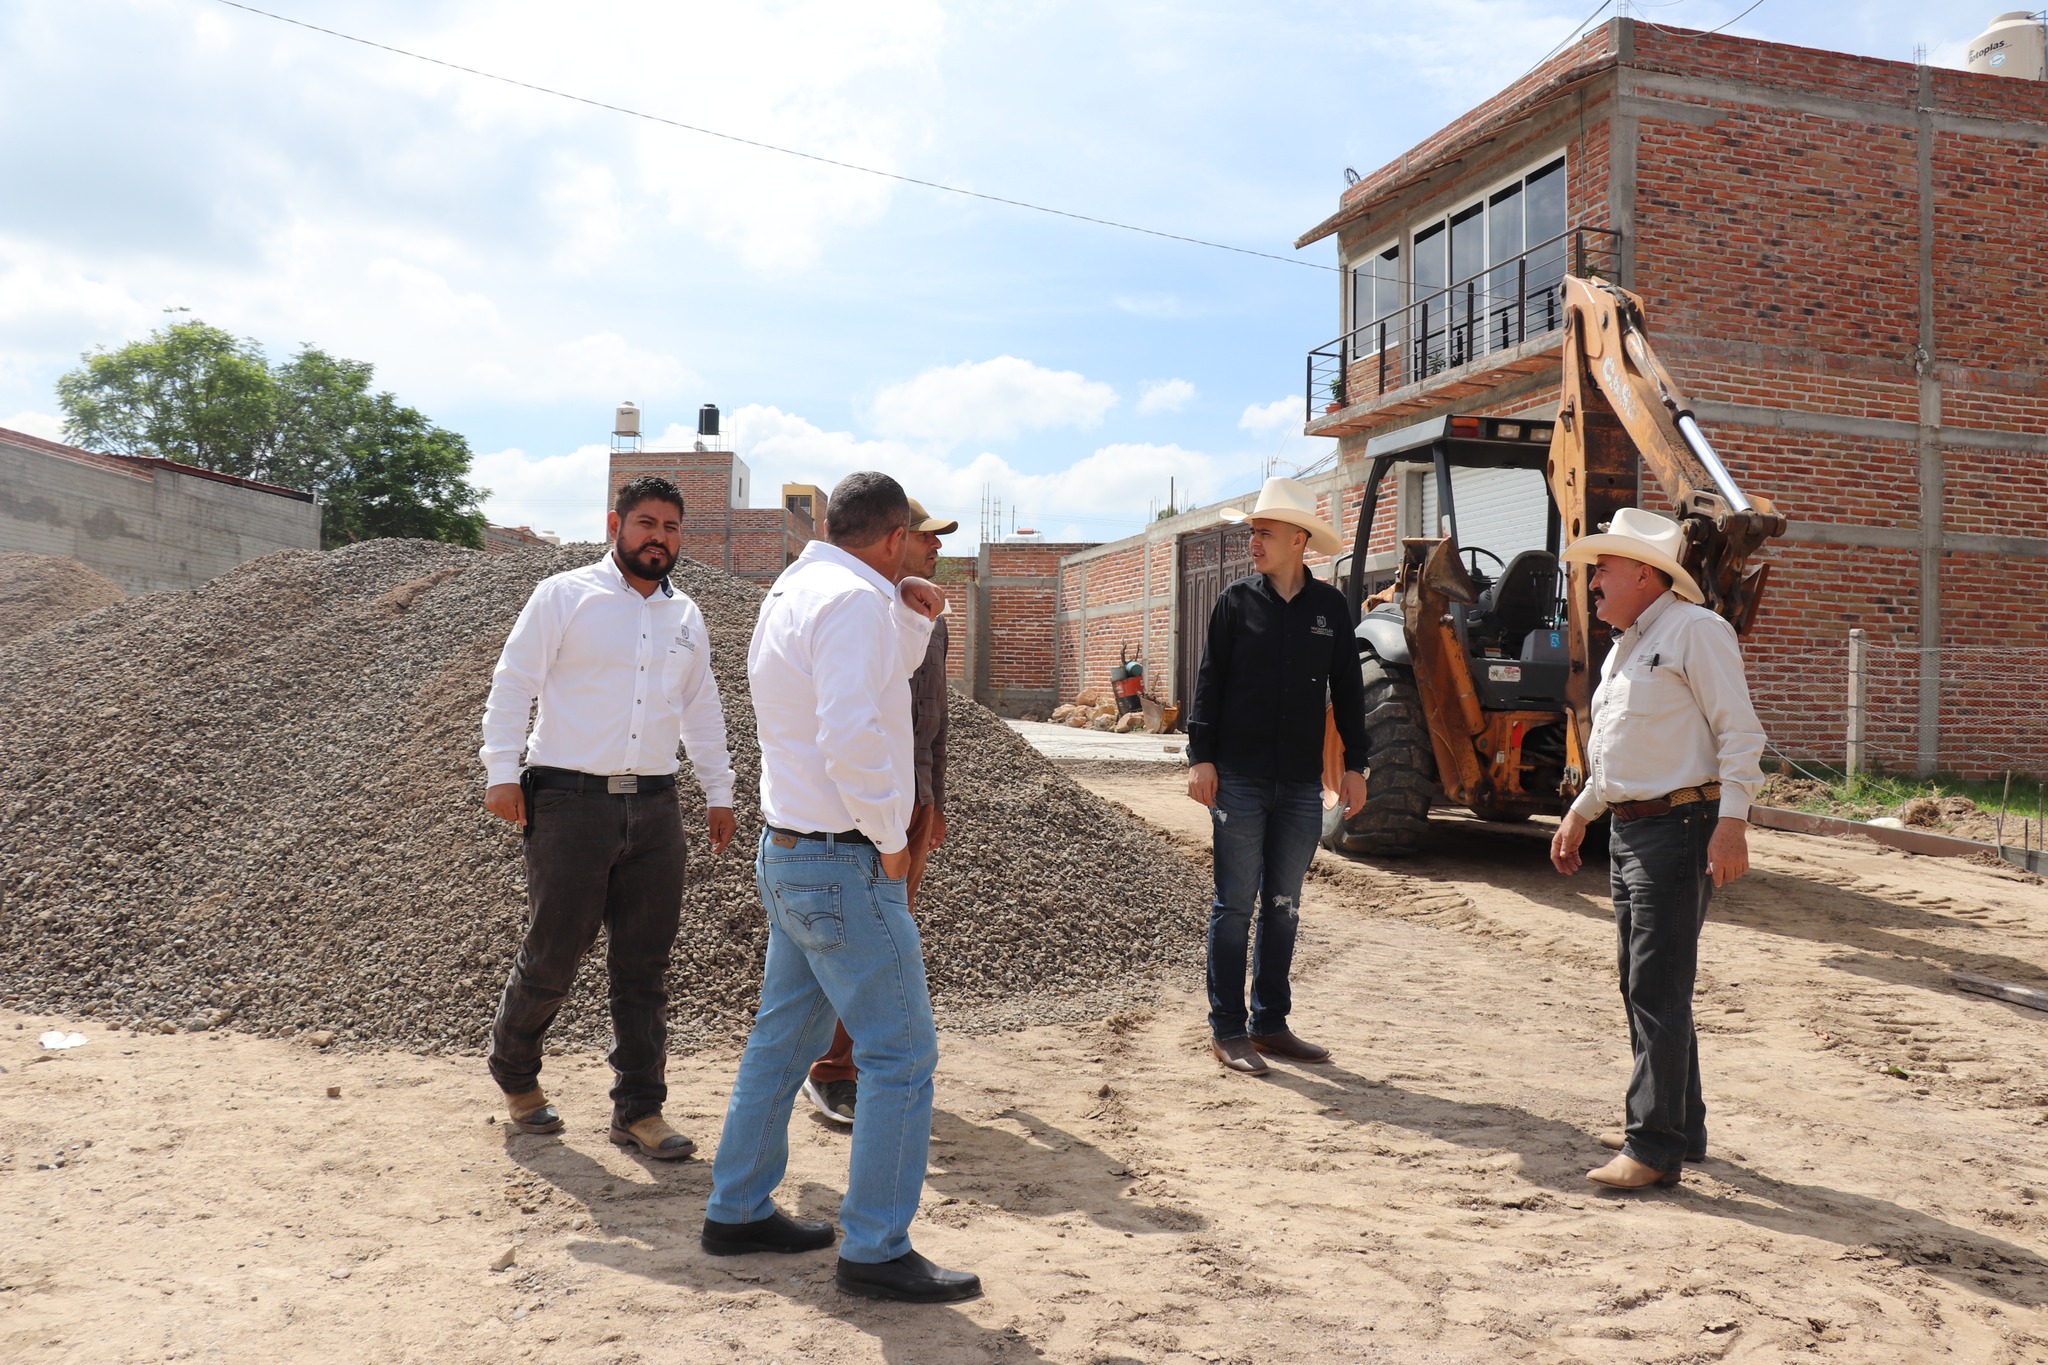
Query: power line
point(769, 146)
point(1738, 18)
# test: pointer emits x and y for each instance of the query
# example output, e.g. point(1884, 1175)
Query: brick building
point(1840, 258)
point(719, 528)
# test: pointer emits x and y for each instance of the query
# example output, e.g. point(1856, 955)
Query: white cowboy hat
point(1290, 501)
point(1645, 537)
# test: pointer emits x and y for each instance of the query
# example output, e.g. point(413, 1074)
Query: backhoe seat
point(1522, 600)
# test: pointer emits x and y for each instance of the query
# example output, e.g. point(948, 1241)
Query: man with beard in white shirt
point(830, 668)
point(621, 666)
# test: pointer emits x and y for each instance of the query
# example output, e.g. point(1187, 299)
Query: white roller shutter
point(1501, 510)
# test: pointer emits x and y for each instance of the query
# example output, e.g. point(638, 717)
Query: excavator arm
point(1619, 403)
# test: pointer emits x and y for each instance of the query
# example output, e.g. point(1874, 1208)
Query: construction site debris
point(262, 796)
point(39, 591)
point(1093, 710)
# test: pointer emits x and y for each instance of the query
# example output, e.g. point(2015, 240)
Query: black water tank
point(707, 420)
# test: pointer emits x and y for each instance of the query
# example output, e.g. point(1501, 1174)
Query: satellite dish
point(1350, 176)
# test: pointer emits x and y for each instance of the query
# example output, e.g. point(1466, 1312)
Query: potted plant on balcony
point(1336, 402)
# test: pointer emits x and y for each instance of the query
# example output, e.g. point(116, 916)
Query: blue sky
point(515, 264)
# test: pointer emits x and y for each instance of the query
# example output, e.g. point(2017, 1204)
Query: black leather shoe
point(777, 1232)
point(909, 1278)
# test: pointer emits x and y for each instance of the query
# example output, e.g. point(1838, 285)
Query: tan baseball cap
point(921, 520)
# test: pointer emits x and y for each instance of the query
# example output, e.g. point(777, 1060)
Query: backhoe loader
point(1479, 676)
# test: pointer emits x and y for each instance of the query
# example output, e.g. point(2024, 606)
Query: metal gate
point(1209, 559)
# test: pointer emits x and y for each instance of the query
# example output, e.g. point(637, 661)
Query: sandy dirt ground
point(1422, 1199)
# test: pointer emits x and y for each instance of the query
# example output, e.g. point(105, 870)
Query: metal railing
point(1499, 307)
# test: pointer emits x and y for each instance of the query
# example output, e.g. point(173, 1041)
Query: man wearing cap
point(1674, 754)
point(833, 1086)
point(1278, 657)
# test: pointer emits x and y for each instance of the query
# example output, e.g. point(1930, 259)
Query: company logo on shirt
point(683, 639)
point(1321, 627)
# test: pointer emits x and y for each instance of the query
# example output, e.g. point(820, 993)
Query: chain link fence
point(1993, 716)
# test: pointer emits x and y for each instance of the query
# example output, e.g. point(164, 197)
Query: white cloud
point(562, 494)
point(1169, 395)
point(1102, 495)
point(1152, 305)
point(989, 399)
point(35, 424)
point(1264, 419)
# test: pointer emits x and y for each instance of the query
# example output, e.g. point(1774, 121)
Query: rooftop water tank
point(626, 420)
point(2016, 44)
point(707, 420)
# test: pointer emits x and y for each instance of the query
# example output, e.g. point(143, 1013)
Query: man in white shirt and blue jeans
point(830, 668)
point(621, 666)
point(1674, 754)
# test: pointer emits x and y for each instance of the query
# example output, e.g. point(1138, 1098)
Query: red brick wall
point(955, 577)
point(1018, 631)
point(1113, 586)
point(1777, 249)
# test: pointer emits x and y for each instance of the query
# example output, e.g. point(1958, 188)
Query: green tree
point(188, 392)
point(195, 394)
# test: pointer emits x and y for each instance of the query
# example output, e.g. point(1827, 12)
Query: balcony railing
point(1500, 307)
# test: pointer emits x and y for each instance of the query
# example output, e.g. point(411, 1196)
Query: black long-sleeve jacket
point(1267, 668)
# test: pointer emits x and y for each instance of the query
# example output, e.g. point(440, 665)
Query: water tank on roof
point(626, 420)
point(2016, 44)
point(707, 420)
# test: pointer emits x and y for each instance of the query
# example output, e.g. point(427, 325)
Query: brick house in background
point(1841, 260)
point(720, 528)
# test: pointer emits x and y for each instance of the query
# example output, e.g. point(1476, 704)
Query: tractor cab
point(1481, 489)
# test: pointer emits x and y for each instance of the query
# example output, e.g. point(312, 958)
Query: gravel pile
point(38, 591)
point(258, 803)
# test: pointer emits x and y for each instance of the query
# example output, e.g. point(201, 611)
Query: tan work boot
point(533, 1112)
point(653, 1137)
point(1626, 1173)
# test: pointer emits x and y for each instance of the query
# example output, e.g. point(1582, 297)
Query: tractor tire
point(1402, 779)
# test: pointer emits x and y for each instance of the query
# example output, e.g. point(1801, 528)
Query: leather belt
point(1665, 804)
point(623, 784)
point(851, 836)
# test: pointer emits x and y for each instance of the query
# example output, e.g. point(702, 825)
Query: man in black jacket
point(1279, 650)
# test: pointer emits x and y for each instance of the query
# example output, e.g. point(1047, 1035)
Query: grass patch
point(1865, 796)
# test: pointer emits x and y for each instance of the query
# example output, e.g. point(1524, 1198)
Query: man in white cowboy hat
point(1673, 754)
point(1279, 650)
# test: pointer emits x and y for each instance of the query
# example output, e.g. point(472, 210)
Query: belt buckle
point(629, 785)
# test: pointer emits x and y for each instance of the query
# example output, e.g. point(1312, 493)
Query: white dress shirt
point(1672, 710)
point(830, 669)
point(620, 677)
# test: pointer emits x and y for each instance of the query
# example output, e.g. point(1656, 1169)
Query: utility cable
point(769, 146)
point(1738, 18)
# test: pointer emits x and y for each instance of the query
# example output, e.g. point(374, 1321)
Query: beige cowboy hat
point(1645, 537)
point(921, 520)
point(1290, 501)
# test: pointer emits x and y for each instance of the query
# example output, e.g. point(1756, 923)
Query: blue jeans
point(1265, 836)
point(841, 944)
point(1661, 889)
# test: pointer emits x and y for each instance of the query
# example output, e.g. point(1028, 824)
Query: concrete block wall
point(149, 525)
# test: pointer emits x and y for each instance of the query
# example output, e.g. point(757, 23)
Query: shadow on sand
point(1555, 1156)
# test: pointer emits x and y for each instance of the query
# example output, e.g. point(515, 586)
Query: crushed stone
point(257, 804)
point(39, 591)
